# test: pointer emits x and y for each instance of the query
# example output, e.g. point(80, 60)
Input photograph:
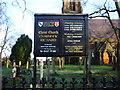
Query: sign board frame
point(60, 35)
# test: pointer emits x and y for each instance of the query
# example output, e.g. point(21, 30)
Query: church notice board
point(60, 35)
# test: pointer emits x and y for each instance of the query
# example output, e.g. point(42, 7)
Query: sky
point(23, 22)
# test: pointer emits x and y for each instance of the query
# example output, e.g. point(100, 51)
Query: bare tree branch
point(105, 14)
point(85, 2)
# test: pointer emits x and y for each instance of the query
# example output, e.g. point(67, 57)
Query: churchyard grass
point(69, 72)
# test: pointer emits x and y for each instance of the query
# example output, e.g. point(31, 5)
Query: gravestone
point(14, 70)
point(41, 68)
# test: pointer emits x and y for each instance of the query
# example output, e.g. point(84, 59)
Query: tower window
point(72, 5)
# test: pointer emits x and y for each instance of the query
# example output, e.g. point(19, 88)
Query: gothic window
point(72, 5)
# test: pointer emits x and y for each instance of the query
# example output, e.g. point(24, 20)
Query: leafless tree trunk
point(118, 46)
point(117, 7)
point(4, 28)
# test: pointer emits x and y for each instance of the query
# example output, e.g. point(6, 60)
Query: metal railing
point(53, 84)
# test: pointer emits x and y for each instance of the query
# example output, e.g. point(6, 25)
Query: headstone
point(61, 62)
point(20, 64)
point(60, 67)
point(27, 65)
point(41, 68)
point(8, 63)
point(80, 62)
point(37, 62)
point(14, 64)
point(14, 70)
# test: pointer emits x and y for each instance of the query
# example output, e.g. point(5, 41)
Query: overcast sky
point(24, 23)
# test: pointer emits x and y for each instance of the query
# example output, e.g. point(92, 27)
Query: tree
point(21, 50)
point(7, 27)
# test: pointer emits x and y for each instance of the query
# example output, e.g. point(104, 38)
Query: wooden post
point(53, 65)
point(34, 72)
point(89, 65)
point(48, 69)
point(85, 66)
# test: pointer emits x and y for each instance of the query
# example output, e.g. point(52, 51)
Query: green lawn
point(68, 72)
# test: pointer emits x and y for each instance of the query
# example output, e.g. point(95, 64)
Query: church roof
point(101, 28)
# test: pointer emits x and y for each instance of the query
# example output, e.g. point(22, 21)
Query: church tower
point(72, 6)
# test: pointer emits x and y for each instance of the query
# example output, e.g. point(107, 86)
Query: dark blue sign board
point(60, 35)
